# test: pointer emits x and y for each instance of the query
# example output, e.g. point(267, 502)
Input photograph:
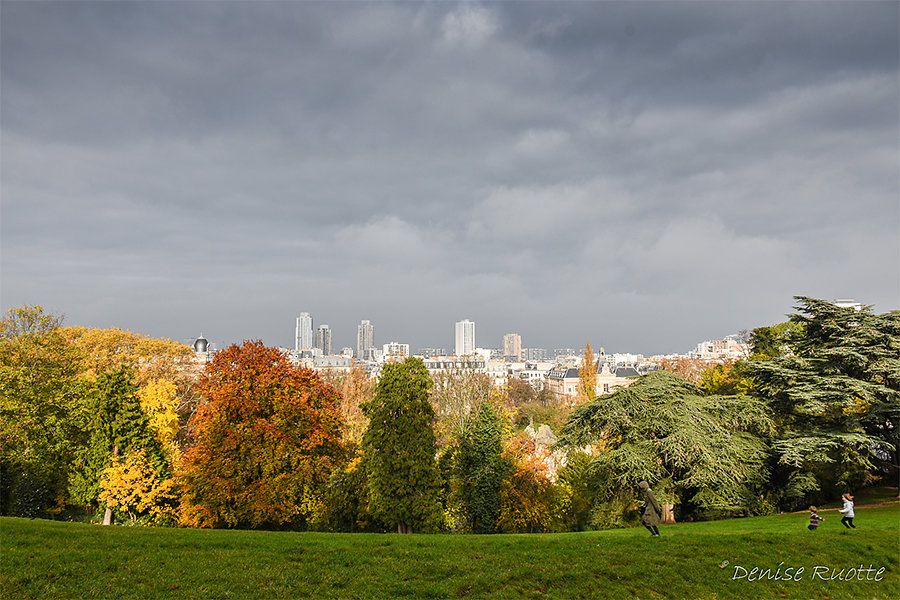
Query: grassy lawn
point(47, 559)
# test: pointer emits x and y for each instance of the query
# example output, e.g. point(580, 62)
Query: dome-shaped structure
point(201, 345)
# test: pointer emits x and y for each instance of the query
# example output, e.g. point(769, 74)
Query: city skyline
point(510, 345)
point(638, 175)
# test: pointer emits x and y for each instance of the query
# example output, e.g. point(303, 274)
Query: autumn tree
point(399, 449)
point(836, 397)
point(159, 401)
point(689, 369)
point(117, 427)
point(587, 376)
point(519, 392)
point(163, 371)
point(132, 485)
point(268, 437)
point(40, 401)
point(700, 452)
point(536, 414)
point(528, 493)
point(356, 388)
point(726, 379)
point(454, 396)
point(150, 358)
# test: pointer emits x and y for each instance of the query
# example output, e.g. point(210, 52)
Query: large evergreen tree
point(836, 398)
point(702, 452)
point(480, 469)
point(399, 449)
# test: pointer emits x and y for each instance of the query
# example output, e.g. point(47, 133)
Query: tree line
point(108, 424)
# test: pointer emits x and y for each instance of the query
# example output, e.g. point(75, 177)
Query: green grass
point(47, 559)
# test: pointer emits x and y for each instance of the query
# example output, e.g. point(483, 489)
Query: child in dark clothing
point(814, 518)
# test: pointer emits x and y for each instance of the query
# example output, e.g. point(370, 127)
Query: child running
point(847, 511)
point(814, 518)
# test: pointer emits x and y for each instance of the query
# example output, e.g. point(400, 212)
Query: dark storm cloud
point(643, 175)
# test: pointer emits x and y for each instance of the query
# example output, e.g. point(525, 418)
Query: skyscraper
point(512, 346)
point(465, 337)
point(303, 335)
point(323, 339)
point(365, 340)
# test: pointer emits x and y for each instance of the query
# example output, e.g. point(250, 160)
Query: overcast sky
point(643, 176)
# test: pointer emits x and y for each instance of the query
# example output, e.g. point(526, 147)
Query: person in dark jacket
point(652, 512)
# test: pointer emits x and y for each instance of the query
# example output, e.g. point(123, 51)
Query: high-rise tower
point(465, 337)
point(365, 340)
point(303, 334)
point(323, 339)
point(512, 346)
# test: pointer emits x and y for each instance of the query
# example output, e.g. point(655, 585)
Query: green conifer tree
point(836, 397)
point(117, 426)
point(700, 452)
point(399, 447)
point(480, 469)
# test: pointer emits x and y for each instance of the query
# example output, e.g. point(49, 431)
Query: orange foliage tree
point(689, 369)
point(268, 436)
point(356, 388)
point(528, 502)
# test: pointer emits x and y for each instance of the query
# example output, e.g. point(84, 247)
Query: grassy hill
point(47, 559)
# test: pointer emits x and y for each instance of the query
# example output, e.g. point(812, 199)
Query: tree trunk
point(107, 515)
point(668, 514)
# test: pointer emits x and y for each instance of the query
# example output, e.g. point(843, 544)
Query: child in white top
point(847, 511)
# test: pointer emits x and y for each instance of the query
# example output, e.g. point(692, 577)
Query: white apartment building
point(334, 362)
point(395, 350)
point(454, 364)
point(497, 371)
point(465, 337)
point(726, 349)
point(532, 373)
point(303, 333)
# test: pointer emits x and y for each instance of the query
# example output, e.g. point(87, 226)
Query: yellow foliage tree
point(160, 401)
point(163, 370)
point(106, 349)
point(131, 485)
point(528, 495)
point(587, 376)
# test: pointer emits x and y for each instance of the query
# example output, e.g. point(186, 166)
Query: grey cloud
point(640, 174)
